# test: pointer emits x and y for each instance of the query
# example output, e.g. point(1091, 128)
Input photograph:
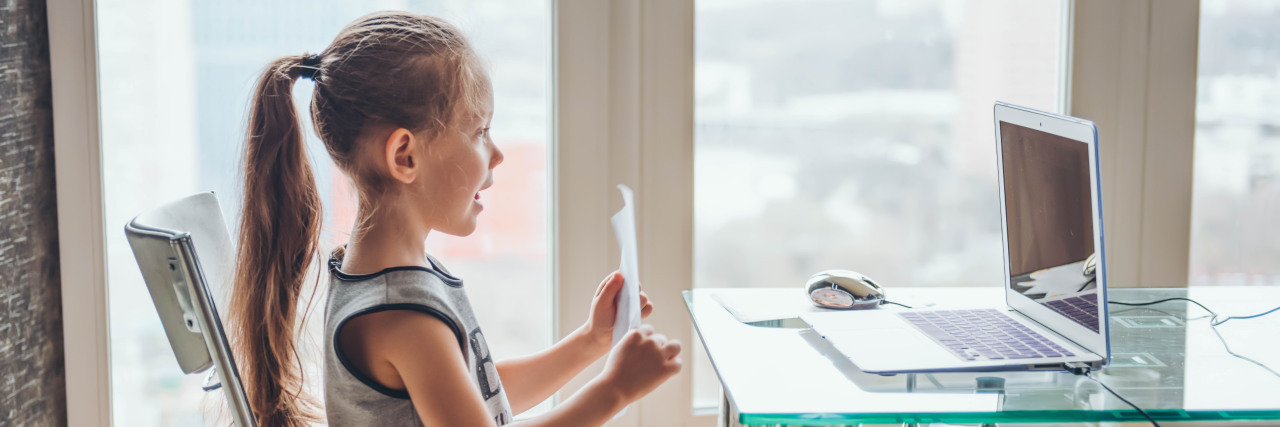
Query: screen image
point(1049, 217)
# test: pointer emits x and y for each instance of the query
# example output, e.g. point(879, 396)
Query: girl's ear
point(401, 154)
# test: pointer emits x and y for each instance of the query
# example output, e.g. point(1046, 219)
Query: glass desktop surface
point(1165, 359)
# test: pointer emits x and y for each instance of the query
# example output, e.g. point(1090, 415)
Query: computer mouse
point(844, 289)
point(1091, 264)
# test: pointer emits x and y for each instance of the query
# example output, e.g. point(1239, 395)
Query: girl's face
point(458, 165)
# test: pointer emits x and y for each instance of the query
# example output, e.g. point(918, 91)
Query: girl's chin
point(461, 230)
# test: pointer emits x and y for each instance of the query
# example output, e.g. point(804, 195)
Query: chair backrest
point(184, 249)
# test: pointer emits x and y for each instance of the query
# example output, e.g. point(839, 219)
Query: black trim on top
point(370, 382)
point(440, 269)
point(335, 268)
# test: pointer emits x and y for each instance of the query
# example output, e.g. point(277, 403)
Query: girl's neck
point(391, 239)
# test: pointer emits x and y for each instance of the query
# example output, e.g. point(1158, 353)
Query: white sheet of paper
point(624, 228)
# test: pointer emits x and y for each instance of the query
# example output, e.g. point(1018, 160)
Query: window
point(175, 81)
point(1236, 186)
point(858, 135)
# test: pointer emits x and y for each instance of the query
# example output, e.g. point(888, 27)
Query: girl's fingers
point(608, 292)
point(605, 283)
point(645, 306)
point(644, 330)
point(671, 349)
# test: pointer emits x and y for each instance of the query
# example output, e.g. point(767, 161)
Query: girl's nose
point(496, 158)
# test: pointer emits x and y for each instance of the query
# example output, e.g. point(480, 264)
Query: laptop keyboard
point(1082, 309)
point(983, 334)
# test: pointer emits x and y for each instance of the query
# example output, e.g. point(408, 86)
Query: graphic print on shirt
point(486, 371)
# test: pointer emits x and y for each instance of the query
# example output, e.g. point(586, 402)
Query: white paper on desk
point(624, 228)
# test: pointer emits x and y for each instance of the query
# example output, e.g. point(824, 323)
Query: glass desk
point(1165, 358)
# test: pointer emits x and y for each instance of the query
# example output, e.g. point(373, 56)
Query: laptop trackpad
point(891, 349)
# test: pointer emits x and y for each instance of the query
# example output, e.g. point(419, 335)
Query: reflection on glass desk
point(1165, 358)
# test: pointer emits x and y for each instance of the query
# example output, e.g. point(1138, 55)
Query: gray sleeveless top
point(353, 399)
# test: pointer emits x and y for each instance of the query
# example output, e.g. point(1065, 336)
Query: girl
point(403, 107)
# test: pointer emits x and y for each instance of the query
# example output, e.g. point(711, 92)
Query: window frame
point(73, 58)
point(623, 113)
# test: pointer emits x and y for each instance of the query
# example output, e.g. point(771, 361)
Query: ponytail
point(279, 233)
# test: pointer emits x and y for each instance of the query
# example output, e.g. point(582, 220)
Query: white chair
point(182, 248)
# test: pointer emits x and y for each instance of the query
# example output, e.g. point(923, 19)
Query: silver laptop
point(1055, 279)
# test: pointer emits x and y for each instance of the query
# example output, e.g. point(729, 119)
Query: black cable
point(1087, 283)
point(896, 303)
point(1139, 304)
point(1122, 399)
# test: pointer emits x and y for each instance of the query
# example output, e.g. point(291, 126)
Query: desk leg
point(722, 419)
point(728, 414)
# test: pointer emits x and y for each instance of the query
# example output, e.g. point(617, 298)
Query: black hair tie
point(310, 66)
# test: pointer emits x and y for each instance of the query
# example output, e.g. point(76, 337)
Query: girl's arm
point(531, 379)
point(425, 354)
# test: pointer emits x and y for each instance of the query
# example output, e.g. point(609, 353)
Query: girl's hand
point(604, 311)
point(641, 361)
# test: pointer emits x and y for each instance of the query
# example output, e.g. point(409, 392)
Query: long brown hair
point(384, 71)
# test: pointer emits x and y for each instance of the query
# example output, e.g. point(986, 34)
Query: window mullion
point(624, 114)
point(81, 233)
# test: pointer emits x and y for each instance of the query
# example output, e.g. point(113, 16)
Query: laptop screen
point(1049, 217)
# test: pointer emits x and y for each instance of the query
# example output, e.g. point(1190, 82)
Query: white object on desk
point(749, 307)
point(624, 228)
